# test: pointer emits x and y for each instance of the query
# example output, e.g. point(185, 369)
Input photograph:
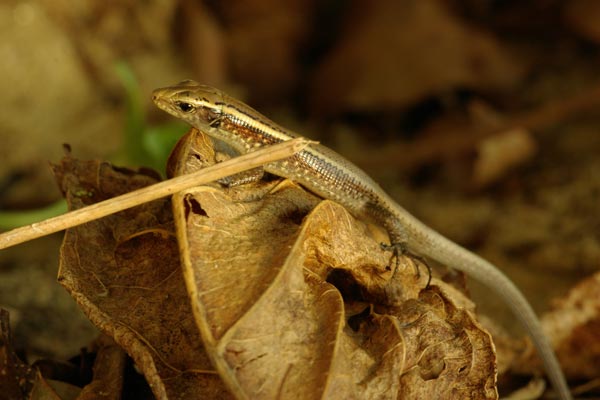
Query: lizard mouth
point(162, 99)
point(158, 97)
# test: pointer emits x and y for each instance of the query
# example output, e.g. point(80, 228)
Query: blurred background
point(479, 116)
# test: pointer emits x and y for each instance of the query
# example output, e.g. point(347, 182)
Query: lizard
point(331, 176)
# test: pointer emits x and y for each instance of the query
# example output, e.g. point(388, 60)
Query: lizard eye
point(185, 107)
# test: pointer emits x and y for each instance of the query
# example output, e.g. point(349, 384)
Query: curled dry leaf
point(507, 346)
point(109, 368)
point(50, 389)
point(16, 377)
point(295, 299)
point(283, 307)
point(502, 153)
point(574, 327)
point(123, 271)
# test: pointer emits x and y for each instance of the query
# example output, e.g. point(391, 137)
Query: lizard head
point(199, 105)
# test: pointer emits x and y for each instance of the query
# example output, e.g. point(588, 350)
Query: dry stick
point(153, 192)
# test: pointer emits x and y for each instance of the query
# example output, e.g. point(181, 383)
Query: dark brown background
point(405, 89)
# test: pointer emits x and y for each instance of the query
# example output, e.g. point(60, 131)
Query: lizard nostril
point(156, 94)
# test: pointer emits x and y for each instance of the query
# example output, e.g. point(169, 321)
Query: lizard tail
point(429, 243)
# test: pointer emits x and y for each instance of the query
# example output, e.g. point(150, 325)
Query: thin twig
point(153, 192)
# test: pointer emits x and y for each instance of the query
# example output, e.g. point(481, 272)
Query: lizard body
point(331, 176)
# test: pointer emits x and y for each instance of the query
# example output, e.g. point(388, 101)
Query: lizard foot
point(399, 249)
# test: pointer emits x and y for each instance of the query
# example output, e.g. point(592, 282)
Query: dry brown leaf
point(16, 377)
point(574, 328)
point(393, 53)
point(49, 389)
point(508, 348)
point(501, 153)
point(294, 299)
point(285, 308)
point(454, 356)
point(109, 366)
point(123, 271)
point(271, 332)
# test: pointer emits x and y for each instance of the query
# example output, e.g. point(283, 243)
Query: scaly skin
point(331, 176)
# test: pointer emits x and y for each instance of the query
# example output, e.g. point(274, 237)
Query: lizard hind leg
point(400, 249)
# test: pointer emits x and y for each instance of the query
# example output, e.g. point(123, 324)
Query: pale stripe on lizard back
point(331, 176)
